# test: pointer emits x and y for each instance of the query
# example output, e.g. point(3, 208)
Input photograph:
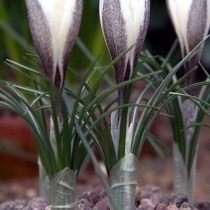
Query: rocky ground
point(148, 198)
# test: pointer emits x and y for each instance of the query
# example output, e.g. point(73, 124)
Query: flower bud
point(191, 22)
point(124, 24)
point(54, 26)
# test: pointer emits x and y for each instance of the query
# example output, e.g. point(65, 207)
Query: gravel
point(148, 198)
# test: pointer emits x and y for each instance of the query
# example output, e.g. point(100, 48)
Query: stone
point(83, 204)
point(185, 206)
point(102, 204)
point(37, 204)
point(161, 206)
point(172, 207)
point(203, 206)
point(177, 199)
point(146, 204)
point(151, 192)
point(93, 197)
point(13, 205)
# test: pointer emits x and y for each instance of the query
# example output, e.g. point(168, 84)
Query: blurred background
point(17, 150)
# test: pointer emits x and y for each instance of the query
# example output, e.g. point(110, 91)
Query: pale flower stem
point(115, 130)
point(43, 178)
point(124, 180)
point(58, 190)
point(43, 181)
point(184, 181)
point(61, 190)
point(52, 136)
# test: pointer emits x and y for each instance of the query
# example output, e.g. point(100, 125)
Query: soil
point(154, 171)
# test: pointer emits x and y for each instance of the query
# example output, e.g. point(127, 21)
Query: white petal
point(101, 4)
point(179, 11)
point(208, 14)
point(60, 19)
point(134, 15)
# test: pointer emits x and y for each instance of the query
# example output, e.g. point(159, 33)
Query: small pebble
point(137, 203)
point(102, 205)
point(185, 206)
point(83, 204)
point(13, 205)
point(161, 206)
point(151, 192)
point(172, 207)
point(177, 199)
point(38, 204)
point(146, 204)
point(203, 206)
point(93, 198)
point(101, 191)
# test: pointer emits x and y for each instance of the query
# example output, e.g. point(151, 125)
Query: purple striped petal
point(191, 22)
point(124, 25)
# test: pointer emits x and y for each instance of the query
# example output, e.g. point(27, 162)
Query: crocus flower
point(54, 26)
point(124, 24)
point(191, 22)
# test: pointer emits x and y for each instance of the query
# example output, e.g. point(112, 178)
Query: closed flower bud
point(191, 22)
point(54, 27)
point(124, 24)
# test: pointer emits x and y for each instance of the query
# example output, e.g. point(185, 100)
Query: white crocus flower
point(124, 24)
point(54, 27)
point(191, 20)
